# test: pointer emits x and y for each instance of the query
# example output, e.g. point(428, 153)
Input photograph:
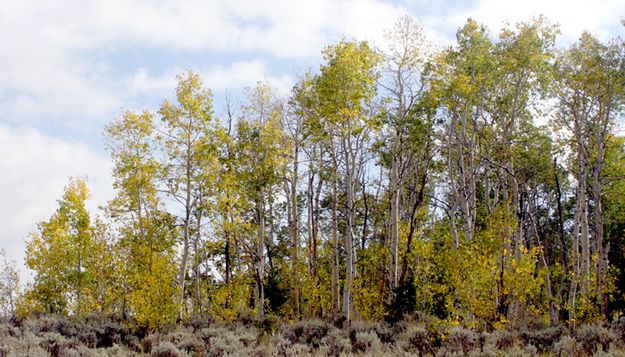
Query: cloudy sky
point(68, 67)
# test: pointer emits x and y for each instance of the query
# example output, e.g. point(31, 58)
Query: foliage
point(386, 185)
point(64, 255)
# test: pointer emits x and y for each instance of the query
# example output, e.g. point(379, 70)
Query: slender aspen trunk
point(336, 299)
point(260, 266)
point(600, 288)
point(186, 232)
point(394, 218)
point(293, 228)
point(309, 220)
point(349, 249)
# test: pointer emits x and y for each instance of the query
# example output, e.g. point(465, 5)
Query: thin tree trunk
point(565, 263)
point(394, 218)
point(315, 225)
point(260, 266)
point(309, 220)
point(186, 236)
point(197, 307)
point(413, 226)
point(575, 259)
point(336, 299)
point(601, 291)
point(294, 224)
point(553, 314)
point(349, 222)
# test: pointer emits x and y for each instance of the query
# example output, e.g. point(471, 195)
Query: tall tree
point(145, 234)
point(58, 253)
point(404, 64)
point(293, 124)
point(304, 105)
point(590, 91)
point(488, 91)
point(187, 142)
point(346, 87)
point(261, 157)
point(461, 82)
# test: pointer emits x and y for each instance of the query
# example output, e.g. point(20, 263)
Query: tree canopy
point(481, 183)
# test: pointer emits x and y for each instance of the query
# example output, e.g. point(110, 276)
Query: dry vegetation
point(416, 335)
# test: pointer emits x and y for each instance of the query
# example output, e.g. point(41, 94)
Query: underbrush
point(413, 336)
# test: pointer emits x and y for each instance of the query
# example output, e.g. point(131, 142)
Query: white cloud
point(276, 27)
point(53, 61)
point(244, 74)
point(142, 81)
point(35, 168)
point(41, 76)
point(574, 16)
point(218, 78)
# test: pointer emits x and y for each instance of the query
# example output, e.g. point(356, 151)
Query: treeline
point(481, 183)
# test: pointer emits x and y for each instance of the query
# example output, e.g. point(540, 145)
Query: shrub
point(111, 333)
point(542, 339)
point(184, 340)
point(85, 351)
point(207, 333)
point(403, 302)
point(591, 337)
point(502, 339)
point(248, 336)
point(338, 320)
point(88, 339)
point(335, 343)
point(418, 339)
point(68, 328)
point(364, 341)
point(618, 327)
point(382, 330)
point(296, 349)
point(225, 344)
point(133, 343)
point(53, 343)
point(484, 352)
point(151, 341)
point(190, 343)
point(167, 349)
point(461, 339)
point(310, 332)
point(27, 345)
point(567, 347)
point(116, 350)
point(200, 323)
point(7, 330)
point(269, 324)
point(522, 351)
point(385, 333)
point(615, 353)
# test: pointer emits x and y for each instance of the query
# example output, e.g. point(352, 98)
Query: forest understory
point(417, 335)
